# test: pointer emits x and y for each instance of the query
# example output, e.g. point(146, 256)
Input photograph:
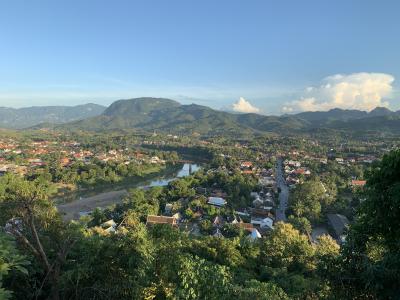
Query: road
point(284, 194)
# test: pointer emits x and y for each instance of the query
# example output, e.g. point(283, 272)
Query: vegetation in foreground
point(42, 257)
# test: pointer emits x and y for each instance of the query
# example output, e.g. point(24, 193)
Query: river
point(81, 203)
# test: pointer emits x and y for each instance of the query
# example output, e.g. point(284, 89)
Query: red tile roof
point(160, 220)
point(246, 226)
point(358, 182)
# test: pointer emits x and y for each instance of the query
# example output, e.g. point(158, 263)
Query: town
point(199, 150)
point(266, 215)
point(240, 186)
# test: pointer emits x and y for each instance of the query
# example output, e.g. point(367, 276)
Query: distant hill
point(30, 116)
point(336, 114)
point(168, 115)
point(380, 112)
point(160, 114)
point(382, 124)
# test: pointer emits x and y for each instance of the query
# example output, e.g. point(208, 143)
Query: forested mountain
point(160, 114)
point(335, 114)
point(30, 116)
point(168, 115)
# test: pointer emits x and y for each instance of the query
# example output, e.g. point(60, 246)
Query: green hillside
point(170, 116)
point(160, 114)
point(30, 116)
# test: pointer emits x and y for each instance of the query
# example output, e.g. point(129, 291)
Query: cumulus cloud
point(363, 91)
point(244, 106)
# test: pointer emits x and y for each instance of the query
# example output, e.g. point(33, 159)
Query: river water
point(79, 203)
point(186, 170)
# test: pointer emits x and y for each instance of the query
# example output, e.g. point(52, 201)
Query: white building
point(217, 201)
point(254, 235)
point(263, 222)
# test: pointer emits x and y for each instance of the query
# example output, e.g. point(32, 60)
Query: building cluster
point(294, 172)
point(255, 219)
point(20, 158)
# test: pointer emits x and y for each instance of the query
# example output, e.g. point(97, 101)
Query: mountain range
point(18, 118)
point(159, 114)
point(166, 115)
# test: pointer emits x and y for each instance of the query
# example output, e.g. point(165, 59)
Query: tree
point(287, 259)
point(257, 290)
point(371, 257)
point(34, 222)
point(180, 188)
point(285, 247)
point(231, 230)
point(221, 251)
point(326, 255)
point(301, 224)
point(200, 279)
point(10, 260)
point(141, 202)
point(110, 266)
point(306, 200)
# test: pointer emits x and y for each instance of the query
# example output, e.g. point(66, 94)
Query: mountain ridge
point(162, 114)
point(18, 118)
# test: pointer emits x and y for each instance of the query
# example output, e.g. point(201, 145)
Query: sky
point(268, 57)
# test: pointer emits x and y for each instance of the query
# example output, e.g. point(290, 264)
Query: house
point(258, 202)
point(339, 224)
point(358, 183)
point(262, 222)
point(293, 163)
point(339, 160)
point(218, 221)
point(254, 194)
point(178, 216)
point(242, 212)
point(323, 161)
point(109, 226)
point(302, 171)
point(152, 220)
point(247, 172)
point(254, 235)
point(261, 212)
point(156, 160)
point(246, 164)
point(168, 208)
point(267, 223)
point(65, 161)
point(218, 234)
point(269, 202)
point(267, 181)
point(217, 201)
point(3, 170)
point(218, 193)
point(235, 221)
point(246, 226)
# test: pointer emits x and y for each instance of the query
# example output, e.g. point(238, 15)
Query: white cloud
point(244, 106)
point(363, 91)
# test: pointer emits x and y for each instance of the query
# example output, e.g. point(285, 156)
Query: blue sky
point(280, 56)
